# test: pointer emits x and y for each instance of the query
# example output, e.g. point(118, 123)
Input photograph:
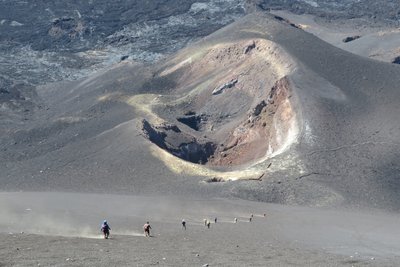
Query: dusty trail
point(61, 226)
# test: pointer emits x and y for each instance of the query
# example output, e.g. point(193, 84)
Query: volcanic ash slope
point(259, 110)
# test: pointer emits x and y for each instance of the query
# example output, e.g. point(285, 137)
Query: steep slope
point(276, 113)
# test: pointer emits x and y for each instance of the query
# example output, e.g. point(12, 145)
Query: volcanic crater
point(232, 105)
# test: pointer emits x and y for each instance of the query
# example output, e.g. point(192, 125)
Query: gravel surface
point(287, 236)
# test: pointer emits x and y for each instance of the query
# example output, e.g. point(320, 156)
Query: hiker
point(250, 219)
point(215, 220)
point(183, 224)
point(146, 228)
point(235, 220)
point(105, 229)
point(208, 224)
point(205, 222)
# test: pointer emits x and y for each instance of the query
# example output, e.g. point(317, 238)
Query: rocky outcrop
point(170, 138)
point(195, 122)
point(287, 21)
point(351, 38)
point(249, 47)
point(396, 60)
point(257, 110)
point(270, 129)
point(67, 27)
point(227, 85)
point(155, 136)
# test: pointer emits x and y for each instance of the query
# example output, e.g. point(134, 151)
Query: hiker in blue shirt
point(105, 228)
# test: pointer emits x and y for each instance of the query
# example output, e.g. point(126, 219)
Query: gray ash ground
point(62, 230)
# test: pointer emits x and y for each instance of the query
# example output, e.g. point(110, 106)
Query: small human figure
point(235, 220)
point(105, 229)
point(250, 219)
point(183, 224)
point(205, 222)
point(146, 228)
point(215, 220)
point(208, 224)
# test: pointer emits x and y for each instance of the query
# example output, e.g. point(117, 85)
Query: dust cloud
point(80, 215)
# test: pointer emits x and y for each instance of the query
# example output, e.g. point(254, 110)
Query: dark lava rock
point(80, 37)
point(351, 38)
point(195, 122)
point(396, 60)
point(177, 143)
point(93, 20)
point(124, 57)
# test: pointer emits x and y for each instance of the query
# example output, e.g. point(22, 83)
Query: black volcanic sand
point(62, 229)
